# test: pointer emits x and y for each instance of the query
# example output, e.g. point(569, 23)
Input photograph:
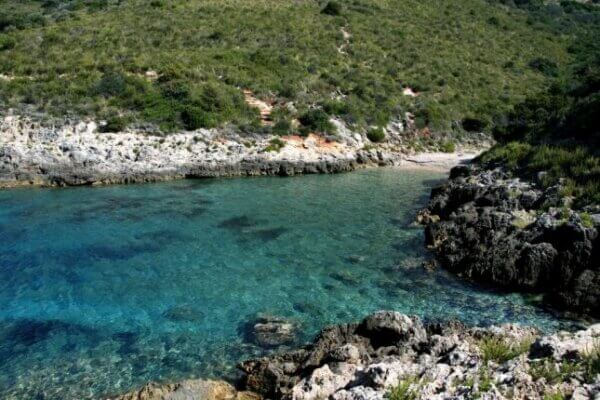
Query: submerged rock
point(194, 389)
point(270, 331)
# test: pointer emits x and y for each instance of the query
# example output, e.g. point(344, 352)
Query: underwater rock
point(236, 223)
point(183, 313)
point(346, 277)
point(193, 389)
point(270, 331)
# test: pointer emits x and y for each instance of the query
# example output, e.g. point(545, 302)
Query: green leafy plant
point(554, 396)
point(500, 350)
point(586, 220)
point(552, 372)
point(406, 389)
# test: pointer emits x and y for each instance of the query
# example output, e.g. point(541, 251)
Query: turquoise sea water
point(104, 289)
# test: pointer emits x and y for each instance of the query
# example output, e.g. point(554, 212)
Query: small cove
point(104, 289)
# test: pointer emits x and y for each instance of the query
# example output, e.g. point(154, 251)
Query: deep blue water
point(103, 289)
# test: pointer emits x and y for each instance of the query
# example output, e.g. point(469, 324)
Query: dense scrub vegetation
point(468, 60)
point(554, 136)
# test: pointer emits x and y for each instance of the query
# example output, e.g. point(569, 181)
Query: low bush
point(317, 121)
point(114, 124)
point(195, 118)
point(7, 42)
point(448, 147)
point(376, 135)
point(282, 127)
point(275, 144)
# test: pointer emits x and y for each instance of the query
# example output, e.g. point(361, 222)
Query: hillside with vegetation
point(554, 136)
point(182, 65)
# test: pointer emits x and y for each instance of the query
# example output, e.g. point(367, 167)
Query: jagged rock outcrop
point(391, 351)
point(491, 228)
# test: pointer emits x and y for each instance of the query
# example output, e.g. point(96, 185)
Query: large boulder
point(488, 227)
point(389, 328)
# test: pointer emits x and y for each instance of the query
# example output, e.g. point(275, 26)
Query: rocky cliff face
point(391, 355)
point(491, 228)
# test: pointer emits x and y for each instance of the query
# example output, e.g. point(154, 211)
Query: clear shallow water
point(104, 289)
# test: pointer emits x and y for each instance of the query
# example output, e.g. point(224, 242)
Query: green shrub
point(275, 144)
point(114, 124)
point(376, 135)
point(317, 120)
point(586, 220)
point(195, 118)
point(7, 42)
point(112, 83)
point(511, 154)
point(282, 127)
point(448, 147)
point(332, 8)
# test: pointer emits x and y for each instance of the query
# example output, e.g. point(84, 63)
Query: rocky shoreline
point(490, 227)
point(391, 355)
point(79, 154)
